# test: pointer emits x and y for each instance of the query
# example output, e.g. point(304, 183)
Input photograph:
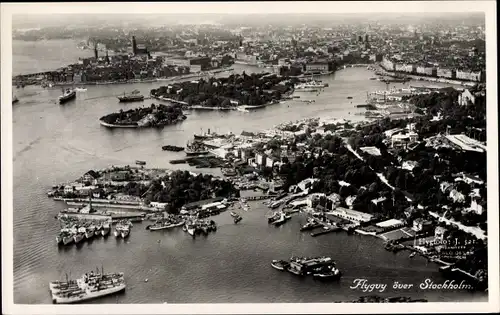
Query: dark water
point(53, 143)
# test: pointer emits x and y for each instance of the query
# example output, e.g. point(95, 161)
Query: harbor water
point(55, 143)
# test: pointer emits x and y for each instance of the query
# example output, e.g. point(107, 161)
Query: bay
point(54, 143)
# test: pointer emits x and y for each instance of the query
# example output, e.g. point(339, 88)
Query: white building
point(466, 97)
point(351, 215)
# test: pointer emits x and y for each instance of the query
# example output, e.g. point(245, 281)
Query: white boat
point(80, 89)
point(191, 230)
point(87, 287)
point(117, 233)
point(78, 237)
point(90, 232)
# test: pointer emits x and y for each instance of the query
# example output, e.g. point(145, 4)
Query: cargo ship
point(89, 286)
point(68, 95)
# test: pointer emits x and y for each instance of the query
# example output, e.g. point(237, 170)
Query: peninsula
point(153, 116)
point(253, 90)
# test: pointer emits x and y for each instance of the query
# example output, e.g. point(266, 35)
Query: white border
point(488, 7)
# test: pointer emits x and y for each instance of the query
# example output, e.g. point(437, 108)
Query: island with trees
point(153, 116)
point(255, 90)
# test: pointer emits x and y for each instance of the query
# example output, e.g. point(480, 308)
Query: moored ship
point(68, 95)
point(89, 286)
point(280, 264)
point(195, 148)
point(105, 229)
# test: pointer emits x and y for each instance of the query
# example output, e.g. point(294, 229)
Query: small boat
point(125, 232)
point(280, 264)
point(138, 162)
point(105, 229)
point(15, 99)
point(331, 274)
point(117, 232)
point(80, 89)
point(349, 97)
point(413, 254)
point(233, 214)
point(237, 219)
point(89, 233)
point(78, 237)
point(67, 239)
point(191, 230)
point(172, 148)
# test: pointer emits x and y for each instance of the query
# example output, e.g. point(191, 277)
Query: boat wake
point(26, 148)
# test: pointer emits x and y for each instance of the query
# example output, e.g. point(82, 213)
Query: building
point(203, 62)
point(445, 73)
point(314, 200)
point(466, 98)
point(421, 225)
point(138, 49)
point(403, 140)
point(351, 215)
point(387, 64)
point(319, 66)
point(91, 177)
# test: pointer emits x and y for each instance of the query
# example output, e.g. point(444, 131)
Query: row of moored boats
point(78, 233)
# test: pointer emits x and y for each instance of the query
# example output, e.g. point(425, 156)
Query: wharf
point(263, 197)
point(114, 206)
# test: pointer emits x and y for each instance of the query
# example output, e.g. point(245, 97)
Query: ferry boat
point(89, 286)
point(280, 264)
point(68, 95)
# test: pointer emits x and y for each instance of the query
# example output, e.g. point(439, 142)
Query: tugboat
point(68, 95)
point(280, 264)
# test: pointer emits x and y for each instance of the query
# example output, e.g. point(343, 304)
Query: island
point(153, 116)
point(245, 91)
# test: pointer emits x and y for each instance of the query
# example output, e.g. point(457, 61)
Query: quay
point(114, 206)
